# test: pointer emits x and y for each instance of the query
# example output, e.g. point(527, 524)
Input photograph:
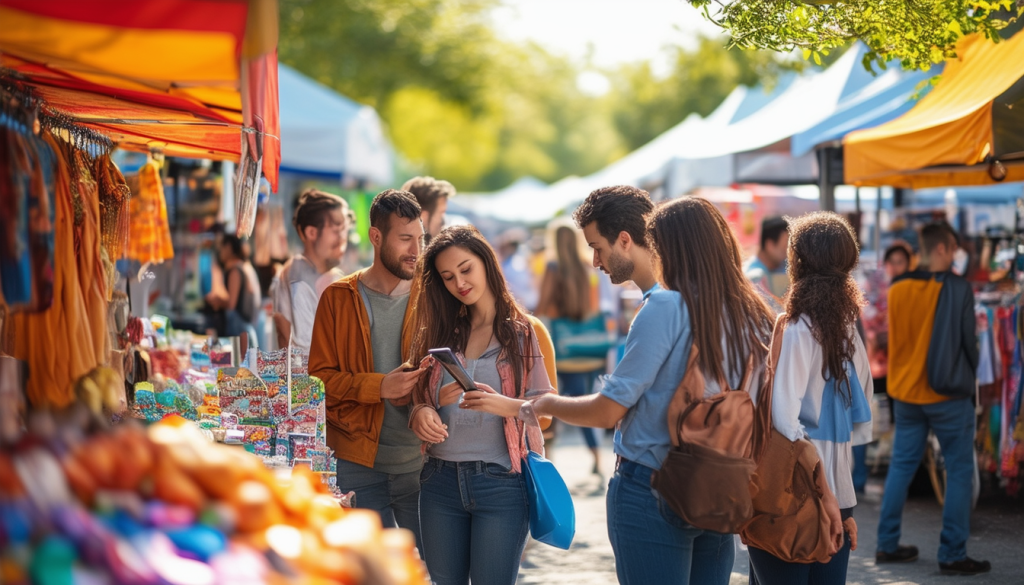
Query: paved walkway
point(997, 535)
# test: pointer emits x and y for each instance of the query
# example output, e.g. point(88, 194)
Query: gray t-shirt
point(480, 436)
point(399, 448)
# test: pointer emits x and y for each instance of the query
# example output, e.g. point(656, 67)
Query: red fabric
point(260, 94)
point(200, 15)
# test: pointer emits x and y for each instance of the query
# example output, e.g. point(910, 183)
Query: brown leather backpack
point(706, 477)
point(789, 519)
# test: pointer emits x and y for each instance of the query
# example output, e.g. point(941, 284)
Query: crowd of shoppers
point(447, 463)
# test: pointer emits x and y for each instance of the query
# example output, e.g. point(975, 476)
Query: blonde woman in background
point(568, 292)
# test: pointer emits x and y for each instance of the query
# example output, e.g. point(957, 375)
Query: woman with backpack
point(703, 301)
point(823, 386)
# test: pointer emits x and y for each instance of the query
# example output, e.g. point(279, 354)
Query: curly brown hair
point(823, 251)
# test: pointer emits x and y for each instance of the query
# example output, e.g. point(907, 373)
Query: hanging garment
point(115, 208)
point(59, 344)
point(26, 259)
point(150, 234)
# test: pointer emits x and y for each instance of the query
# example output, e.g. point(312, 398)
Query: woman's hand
point(487, 400)
point(426, 423)
point(851, 528)
point(450, 394)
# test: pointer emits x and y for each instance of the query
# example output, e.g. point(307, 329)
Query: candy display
point(164, 505)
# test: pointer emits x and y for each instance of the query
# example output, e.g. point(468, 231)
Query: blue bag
point(589, 338)
point(552, 515)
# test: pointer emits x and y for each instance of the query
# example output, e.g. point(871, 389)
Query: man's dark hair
point(772, 229)
point(392, 202)
point(616, 209)
point(939, 232)
point(897, 248)
point(312, 209)
point(428, 191)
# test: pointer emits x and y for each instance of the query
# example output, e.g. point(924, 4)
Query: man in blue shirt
point(636, 397)
point(767, 270)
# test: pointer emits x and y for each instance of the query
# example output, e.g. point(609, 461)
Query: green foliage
point(645, 105)
point(918, 33)
point(463, 104)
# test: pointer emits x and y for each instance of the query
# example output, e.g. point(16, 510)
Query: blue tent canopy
point(327, 135)
point(866, 112)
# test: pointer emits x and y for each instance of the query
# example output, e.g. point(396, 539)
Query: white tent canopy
point(324, 133)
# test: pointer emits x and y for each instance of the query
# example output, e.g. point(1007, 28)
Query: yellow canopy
point(942, 140)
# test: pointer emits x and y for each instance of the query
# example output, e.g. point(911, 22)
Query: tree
point(918, 33)
point(644, 105)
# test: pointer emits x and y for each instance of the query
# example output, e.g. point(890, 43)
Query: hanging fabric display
point(149, 240)
point(27, 204)
point(115, 208)
point(68, 340)
point(247, 186)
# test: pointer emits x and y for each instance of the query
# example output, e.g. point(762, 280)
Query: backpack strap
point(763, 413)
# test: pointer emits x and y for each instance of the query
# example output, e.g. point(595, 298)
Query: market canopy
point(188, 77)
point(324, 133)
point(973, 117)
point(755, 148)
point(867, 111)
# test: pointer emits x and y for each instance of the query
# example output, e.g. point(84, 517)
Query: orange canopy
point(952, 134)
point(184, 76)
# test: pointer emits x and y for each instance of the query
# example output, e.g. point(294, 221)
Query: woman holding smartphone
point(473, 503)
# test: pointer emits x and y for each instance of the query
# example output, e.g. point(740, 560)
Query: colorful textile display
point(68, 339)
point(150, 233)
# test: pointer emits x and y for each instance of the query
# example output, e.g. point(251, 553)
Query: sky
point(616, 31)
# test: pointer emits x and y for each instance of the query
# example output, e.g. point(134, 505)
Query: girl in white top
point(823, 385)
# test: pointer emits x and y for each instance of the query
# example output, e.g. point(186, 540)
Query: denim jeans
point(394, 497)
point(475, 519)
point(578, 384)
point(654, 545)
point(860, 468)
point(768, 569)
point(952, 422)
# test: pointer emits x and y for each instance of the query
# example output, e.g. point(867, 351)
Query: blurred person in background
point(322, 221)
point(516, 267)
point(896, 261)
point(767, 270)
point(432, 195)
point(239, 295)
point(568, 292)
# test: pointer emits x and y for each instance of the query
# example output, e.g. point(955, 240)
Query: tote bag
point(589, 338)
point(552, 515)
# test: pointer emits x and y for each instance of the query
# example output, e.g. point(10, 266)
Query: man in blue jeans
point(361, 336)
point(920, 303)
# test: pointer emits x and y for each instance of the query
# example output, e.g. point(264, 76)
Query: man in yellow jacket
point(360, 343)
point(933, 359)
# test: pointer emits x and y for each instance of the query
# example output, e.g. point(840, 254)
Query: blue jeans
point(475, 519)
point(952, 422)
point(654, 545)
point(860, 468)
point(768, 569)
point(394, 497)
point(578, 384)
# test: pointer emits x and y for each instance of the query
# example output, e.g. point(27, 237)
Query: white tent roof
point(324, 133)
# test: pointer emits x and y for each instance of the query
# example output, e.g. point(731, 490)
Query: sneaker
point(968, 566)
point(902, 554)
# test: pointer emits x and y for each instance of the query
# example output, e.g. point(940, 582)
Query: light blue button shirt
point(657, 350)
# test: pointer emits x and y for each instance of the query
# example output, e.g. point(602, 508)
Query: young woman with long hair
point(473, 509)
point(566, 292)
point(823, 383)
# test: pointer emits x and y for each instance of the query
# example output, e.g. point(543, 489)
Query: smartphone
point(447, 358)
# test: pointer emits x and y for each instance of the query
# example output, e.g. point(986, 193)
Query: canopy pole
point(826, 185)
